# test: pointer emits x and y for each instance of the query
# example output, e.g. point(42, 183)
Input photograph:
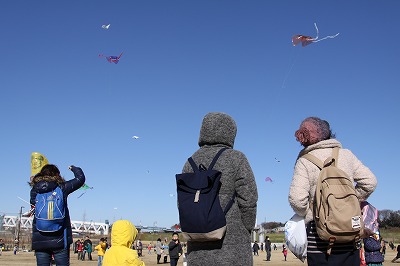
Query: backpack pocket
point(342, 218)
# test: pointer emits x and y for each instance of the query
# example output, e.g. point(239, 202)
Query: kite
point(85, 188)
point(268, 179)
point(306, 40)
point(106, 26)
point(112, 59)
point(276, 160)
point(37, 162)
point(135, 137)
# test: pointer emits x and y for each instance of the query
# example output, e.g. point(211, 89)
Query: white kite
point(135, 137)
point(106, 26)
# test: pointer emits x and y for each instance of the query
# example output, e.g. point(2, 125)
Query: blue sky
point(183, 59)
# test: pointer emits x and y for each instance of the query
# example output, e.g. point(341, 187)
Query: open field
point(28, 258)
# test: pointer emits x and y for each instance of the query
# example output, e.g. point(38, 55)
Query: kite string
point(276, 98)
point(81, 194)
point(290, 71)
point(24, 200)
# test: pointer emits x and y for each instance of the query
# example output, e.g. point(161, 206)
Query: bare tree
point(389, 218)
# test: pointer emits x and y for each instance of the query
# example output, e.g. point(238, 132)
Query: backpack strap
point(193, 164)
point(230, 203)
point(196, 168)
point(65, 238)
point(314, 160)
point(335, 155)
point(216, 158)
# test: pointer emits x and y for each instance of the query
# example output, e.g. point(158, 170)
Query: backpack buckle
point(332, 240)
point(202, 168)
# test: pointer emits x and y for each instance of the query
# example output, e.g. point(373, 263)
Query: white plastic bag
point(296, 237)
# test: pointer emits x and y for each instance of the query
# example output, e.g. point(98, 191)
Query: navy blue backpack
point(201, 216)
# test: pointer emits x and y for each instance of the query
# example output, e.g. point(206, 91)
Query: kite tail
point(327, 37)
point(316, 28)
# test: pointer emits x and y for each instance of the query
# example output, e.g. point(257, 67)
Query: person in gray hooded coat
point(218, 130)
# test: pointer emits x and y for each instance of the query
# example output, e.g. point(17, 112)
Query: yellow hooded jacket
point(122, 236)
point(101, 248)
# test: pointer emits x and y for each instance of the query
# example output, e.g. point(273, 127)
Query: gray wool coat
point(218, 131)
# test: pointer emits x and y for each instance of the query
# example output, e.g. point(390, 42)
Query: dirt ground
point(28, 258)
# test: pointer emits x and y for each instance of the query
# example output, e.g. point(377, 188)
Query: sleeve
point(33, 197)
point(299, 191)
point(246, 193)
point(77, 182)
point(366, 181)
point(171, 245)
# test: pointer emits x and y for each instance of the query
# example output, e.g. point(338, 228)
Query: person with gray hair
point(218, 130)
point(317, 139)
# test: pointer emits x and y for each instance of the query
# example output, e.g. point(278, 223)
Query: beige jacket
point(304, 181)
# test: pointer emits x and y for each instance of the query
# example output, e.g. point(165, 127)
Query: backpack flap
point(199, 180)
point(202, 181)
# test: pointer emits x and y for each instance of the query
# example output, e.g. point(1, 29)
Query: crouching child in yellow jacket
point(123, 233)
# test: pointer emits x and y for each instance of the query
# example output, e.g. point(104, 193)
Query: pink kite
point(306, 40)
point(268, 179)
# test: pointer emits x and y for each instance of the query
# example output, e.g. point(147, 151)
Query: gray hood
point(217, 128)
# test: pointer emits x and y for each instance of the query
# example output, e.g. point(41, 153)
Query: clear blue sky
point(183, 59)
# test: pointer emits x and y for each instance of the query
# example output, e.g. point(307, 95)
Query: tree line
point(388, 218)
